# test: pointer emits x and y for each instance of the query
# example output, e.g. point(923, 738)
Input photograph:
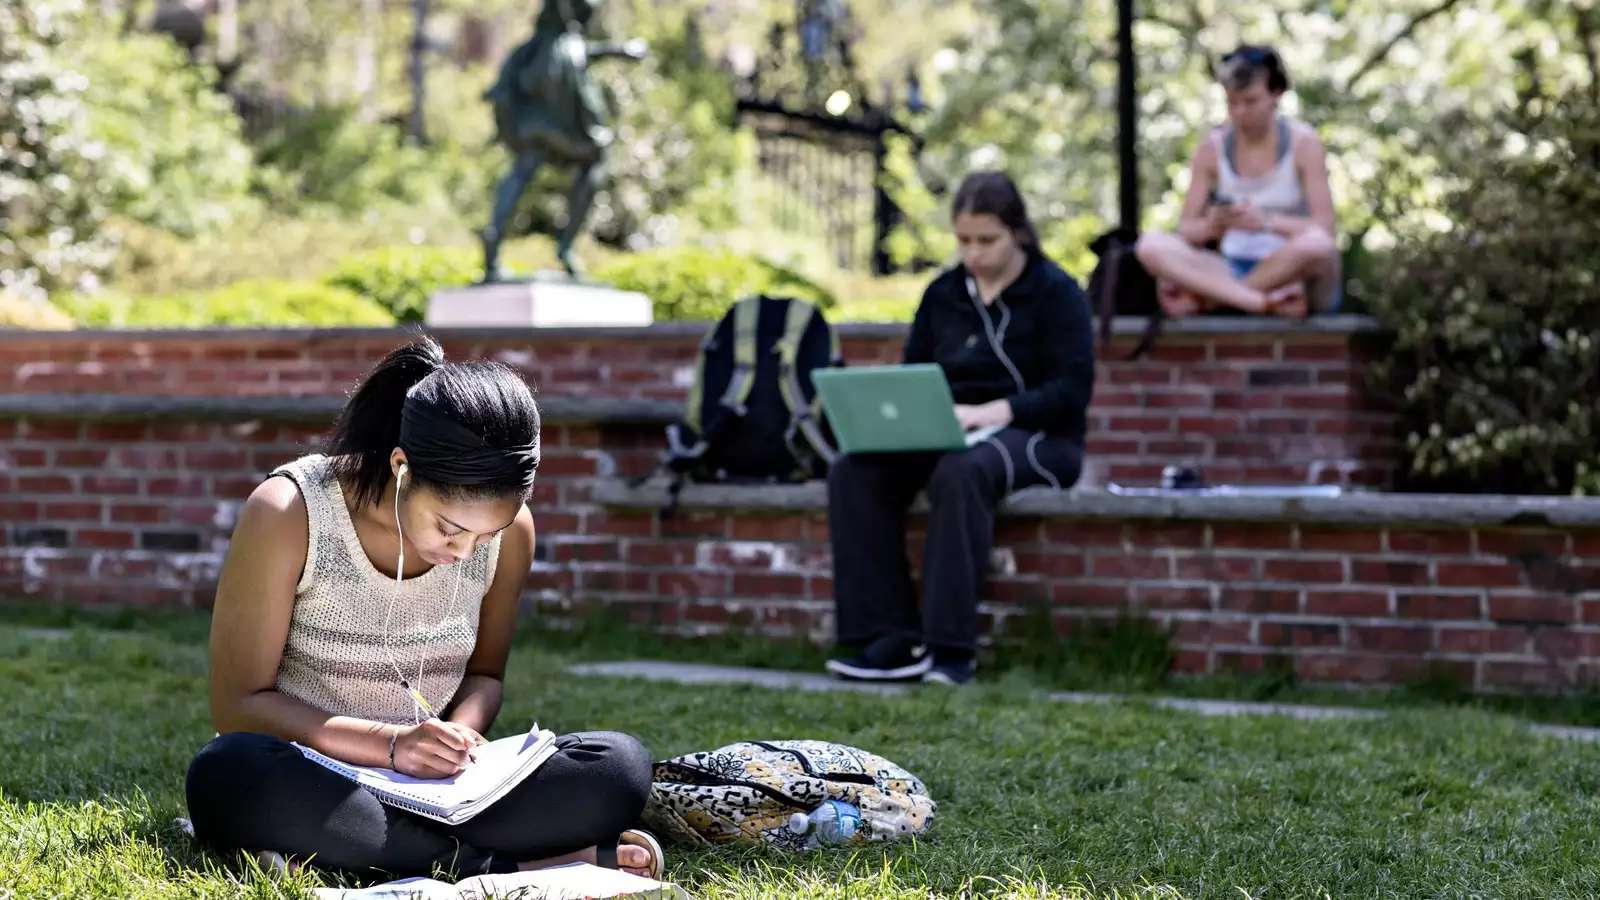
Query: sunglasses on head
point(1257, 55)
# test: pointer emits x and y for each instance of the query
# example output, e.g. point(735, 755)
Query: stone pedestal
point(537, 304)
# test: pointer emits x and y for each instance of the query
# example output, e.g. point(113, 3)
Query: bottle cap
point(799, 822)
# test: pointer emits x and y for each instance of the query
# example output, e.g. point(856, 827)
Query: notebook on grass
point(501, 766)
point(576, 881)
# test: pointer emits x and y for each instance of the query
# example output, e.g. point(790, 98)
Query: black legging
point(868, 495)
point(257, 792)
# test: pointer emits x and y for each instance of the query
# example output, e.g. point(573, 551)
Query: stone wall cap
point(1350, 510)
point(1123, 326)
point(315, 408)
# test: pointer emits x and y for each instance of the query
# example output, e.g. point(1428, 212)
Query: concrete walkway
point(777, 679)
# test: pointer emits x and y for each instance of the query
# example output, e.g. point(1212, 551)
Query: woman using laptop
point(1012, 333)
point(365, 610)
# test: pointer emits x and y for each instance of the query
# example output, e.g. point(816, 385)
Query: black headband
point(444, 450)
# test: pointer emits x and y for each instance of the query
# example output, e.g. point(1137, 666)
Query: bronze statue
point(548, 110)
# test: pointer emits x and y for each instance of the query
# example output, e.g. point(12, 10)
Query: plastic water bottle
point(834, 822)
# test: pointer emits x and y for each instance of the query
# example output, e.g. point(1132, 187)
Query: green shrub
point(257, 303)
point(877, 298)
point(896, 310)
point(175, 149)
point(1495, 361)
point(31, 315)
point(53, 194)
point(307, 248)
point(401, 279)
point(696, 284)
point(327, 159)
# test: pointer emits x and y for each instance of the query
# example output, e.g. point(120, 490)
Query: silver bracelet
point(393, 736)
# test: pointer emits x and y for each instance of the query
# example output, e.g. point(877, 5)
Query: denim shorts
point(1242, 267)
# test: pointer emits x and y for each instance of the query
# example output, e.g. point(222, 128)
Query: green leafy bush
point(31, 315)
point(401, 279)
point(52, 186)
point(327, 159)
point(693, 283)
point(305, 248)
point(174, 149)
point(256, 303)
point(894, 310)
point(1495, 361)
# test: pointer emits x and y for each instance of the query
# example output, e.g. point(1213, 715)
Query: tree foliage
point(52, 202)
point(175, 156)
point(1033, 90)
point(1495, 361)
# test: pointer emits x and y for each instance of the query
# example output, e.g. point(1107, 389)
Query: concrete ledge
point(1357, 509)
point(1123, 325)
point(137, 407)
point(779, 679)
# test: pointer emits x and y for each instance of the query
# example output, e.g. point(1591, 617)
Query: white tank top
point(1277, 191)
point(337, 657)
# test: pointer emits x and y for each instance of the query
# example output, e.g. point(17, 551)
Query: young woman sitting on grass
point(366, 609)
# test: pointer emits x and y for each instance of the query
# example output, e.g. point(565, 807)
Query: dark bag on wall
point(752, 412)
point(1120, 286)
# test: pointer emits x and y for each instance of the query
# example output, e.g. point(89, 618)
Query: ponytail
point(369, 428)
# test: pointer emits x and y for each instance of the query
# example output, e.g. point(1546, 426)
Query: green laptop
point(891, 409)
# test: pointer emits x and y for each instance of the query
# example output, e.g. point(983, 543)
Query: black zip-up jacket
point(1041, 327)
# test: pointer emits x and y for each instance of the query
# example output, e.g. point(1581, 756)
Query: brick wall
point(139, 513)
point(111, 495)
point(1258, 402)
point(1495, 608)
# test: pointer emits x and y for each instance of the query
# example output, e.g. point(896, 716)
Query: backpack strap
point(746, 315)
point(802, 415)
point(692, 409)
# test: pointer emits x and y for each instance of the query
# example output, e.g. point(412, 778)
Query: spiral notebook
point(501, 765)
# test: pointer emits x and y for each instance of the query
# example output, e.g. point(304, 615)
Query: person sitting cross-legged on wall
point(1011, 331)
point(1258, 191)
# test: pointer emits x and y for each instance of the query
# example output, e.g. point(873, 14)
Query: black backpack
point(1120, 286)
point(753, 414)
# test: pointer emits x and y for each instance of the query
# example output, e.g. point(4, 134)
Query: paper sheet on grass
point(576, 881)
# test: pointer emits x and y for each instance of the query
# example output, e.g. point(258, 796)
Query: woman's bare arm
point(250, 625)
point(1199, 224)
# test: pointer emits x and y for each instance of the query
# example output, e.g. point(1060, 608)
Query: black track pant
point(256, 792)
point(868, 495)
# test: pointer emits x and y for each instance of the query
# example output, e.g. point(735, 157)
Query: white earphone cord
point(399, 571)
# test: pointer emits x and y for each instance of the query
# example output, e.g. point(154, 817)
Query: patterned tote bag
point(747, 791)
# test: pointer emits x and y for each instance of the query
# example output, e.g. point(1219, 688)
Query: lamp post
point(1127, 120)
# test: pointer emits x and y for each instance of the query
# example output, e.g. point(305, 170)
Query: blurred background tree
point(54, 197)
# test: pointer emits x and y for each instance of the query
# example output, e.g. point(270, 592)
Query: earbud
point(398, 530)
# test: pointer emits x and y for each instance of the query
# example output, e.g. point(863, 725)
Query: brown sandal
point(607, 855)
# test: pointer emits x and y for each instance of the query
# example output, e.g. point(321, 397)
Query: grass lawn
point(1036, 799)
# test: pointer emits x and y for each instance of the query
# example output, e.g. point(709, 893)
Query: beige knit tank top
point(339, 656)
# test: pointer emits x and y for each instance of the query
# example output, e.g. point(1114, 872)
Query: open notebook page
point(500, 766)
